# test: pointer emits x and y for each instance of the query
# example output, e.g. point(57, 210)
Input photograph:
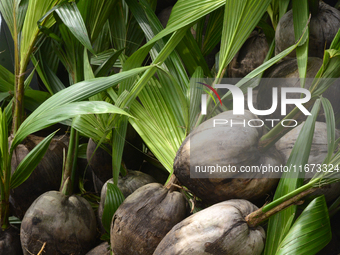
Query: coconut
point(322, 29)
point(10, 241)
point(46, 176)
point(144, 218)
point(218, 229)
point(102, 249)
point(100, 160)
point(65, 224)
point(317, 154)
point(288, 73)
point(230, 147)
point(127, 185)
point(251, 55)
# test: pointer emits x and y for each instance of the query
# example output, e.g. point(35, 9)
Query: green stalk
point(71, 162)
point(4, 199)
point(262, 214)
point(5, 164)
point(16, 103)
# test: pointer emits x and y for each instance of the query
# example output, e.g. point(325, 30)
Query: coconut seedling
point(145, 217)
point(233, 227)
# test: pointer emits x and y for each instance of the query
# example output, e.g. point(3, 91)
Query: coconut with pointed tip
point(218, 229)
point(144, 218)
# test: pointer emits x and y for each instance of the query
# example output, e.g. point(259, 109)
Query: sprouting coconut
point(317, 154)
point(58, 222)
point(229, 147)
point(145, 217)
point(67, 224)
point(251, 55)
point(286, 74)
point(102, 249)
point(127, 185)
point(231, 227)
point(46, 176)
point(218, 229)
point(324, 24)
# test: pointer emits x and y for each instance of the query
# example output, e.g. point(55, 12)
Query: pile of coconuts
point(155, 219)
point(222, 228)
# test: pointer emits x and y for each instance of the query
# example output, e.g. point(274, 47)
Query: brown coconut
point(224, 145)
point(286, 74)
point(102, 249)
point(144, 218)
point(218, 229)
point(322, 29)
point(66, 224)
point(46, 176)
point(127, 185)
point(100, 160)
point(10, 241)
point(251, 55)
point(317, 154)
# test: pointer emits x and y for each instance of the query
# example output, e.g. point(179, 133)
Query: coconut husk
point(144, 218)
point(251, 55)
point(226, 146)
point(322, 29)
point(286, 74)
point(218, 229)
point(102, 249)
point(63, 224)
point(10, 241)
point(46, 176)
point(127, 185)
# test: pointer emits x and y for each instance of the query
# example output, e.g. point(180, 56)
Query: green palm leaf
point(310, 232)
point(77, 92)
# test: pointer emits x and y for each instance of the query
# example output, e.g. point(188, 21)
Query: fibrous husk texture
point(10, 241)
point(67, 224)
point(127, 185)
point(322, 29)
point(251, 55)
point(218, 229)
point(144, 218)
point(46, 176)
point(102, 249)
point(226, 145)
